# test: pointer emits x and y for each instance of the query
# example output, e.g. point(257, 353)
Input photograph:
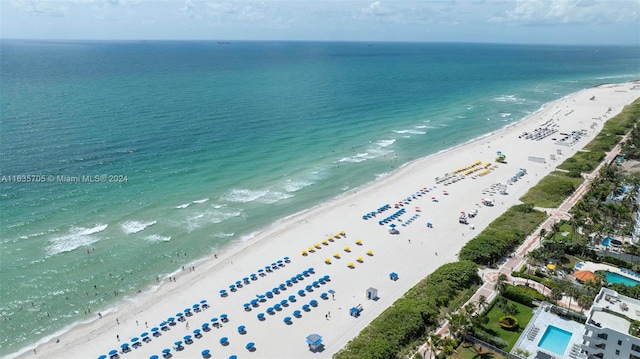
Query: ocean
point(120, 162)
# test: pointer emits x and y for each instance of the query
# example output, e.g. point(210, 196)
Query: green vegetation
point(552, 190)
point(522, 295)
point(475, 352)
point(503, 235)
point(610, 135)
point(509, 323)
point(524, 314)
point(411, 316)
point(408, 322)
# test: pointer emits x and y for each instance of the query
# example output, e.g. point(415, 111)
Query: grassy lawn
point(552, 190)
point(475, 352)
point(524, 316)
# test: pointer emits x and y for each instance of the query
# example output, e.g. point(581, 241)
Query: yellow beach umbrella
point(304, 252)
point(359, 259)
point(359, 242)
point(347, 249)
point(330, 238)
point(327, 260)
point(343, 233)
point(325, 242)
point(318, 245)
point(370, 252)
point(310, 248)
point(351, 265)
point(337, 255)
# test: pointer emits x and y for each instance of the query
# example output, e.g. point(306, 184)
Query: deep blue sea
point(122, 161)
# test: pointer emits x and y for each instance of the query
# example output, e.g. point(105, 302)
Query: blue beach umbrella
point(224, 317)
point(102, 356)
point(113, 352)
point(124, 346)
point(153, 357)
point(166, 351)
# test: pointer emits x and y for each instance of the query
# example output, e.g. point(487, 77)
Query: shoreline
point(402, 180)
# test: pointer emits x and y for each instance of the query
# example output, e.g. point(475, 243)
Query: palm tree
point(601, 277)
point(434, 343)
point(501, 283)
point(572, 292)
point(482, 303)
point(448, 346)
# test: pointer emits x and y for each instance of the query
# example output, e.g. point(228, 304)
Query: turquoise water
point(555, 340)
point(617, 278)
point(611, 242)
point(202, 145)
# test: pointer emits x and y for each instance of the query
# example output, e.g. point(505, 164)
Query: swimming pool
point(611, 242)
point(617, 278)
point(555, 340)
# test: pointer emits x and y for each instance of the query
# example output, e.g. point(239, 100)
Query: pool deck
point(593, 267)
point(536, 328)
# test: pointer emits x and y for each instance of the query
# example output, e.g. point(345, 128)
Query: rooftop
point(618, 312)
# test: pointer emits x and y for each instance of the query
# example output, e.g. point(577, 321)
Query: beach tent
point(372, 293)
point(314, 341)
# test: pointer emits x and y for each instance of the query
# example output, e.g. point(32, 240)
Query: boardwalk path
point(518, 258)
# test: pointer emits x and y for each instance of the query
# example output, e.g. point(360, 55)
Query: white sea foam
point(411, 131)
point(360, 157)
point(274, 196)
point(157, 238)
point(242, 195)
point(76, 237)
point(211, 216)
point(130, 227)
point(201, 201)
point(292, 185)
point(506, 98)
point(505, 114)
point(385, 143)
point(224, 235)
point(183, 205)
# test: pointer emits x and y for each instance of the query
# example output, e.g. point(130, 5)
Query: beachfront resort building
point(611, 330)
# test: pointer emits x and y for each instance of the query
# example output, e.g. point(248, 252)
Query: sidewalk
point(518, 259)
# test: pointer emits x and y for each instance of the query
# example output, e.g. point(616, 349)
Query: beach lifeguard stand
point(372, 293)
point(393, 276)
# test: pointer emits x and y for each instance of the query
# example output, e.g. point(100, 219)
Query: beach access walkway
point(518, 258)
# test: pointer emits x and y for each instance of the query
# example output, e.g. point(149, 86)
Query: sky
point(570, 22)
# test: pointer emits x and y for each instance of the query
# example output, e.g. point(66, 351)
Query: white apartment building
point(607, 328)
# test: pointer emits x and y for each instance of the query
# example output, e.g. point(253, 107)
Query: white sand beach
point(413, 253)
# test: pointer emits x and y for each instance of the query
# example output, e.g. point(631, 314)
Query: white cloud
point(558, 12)
point(376, 9)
